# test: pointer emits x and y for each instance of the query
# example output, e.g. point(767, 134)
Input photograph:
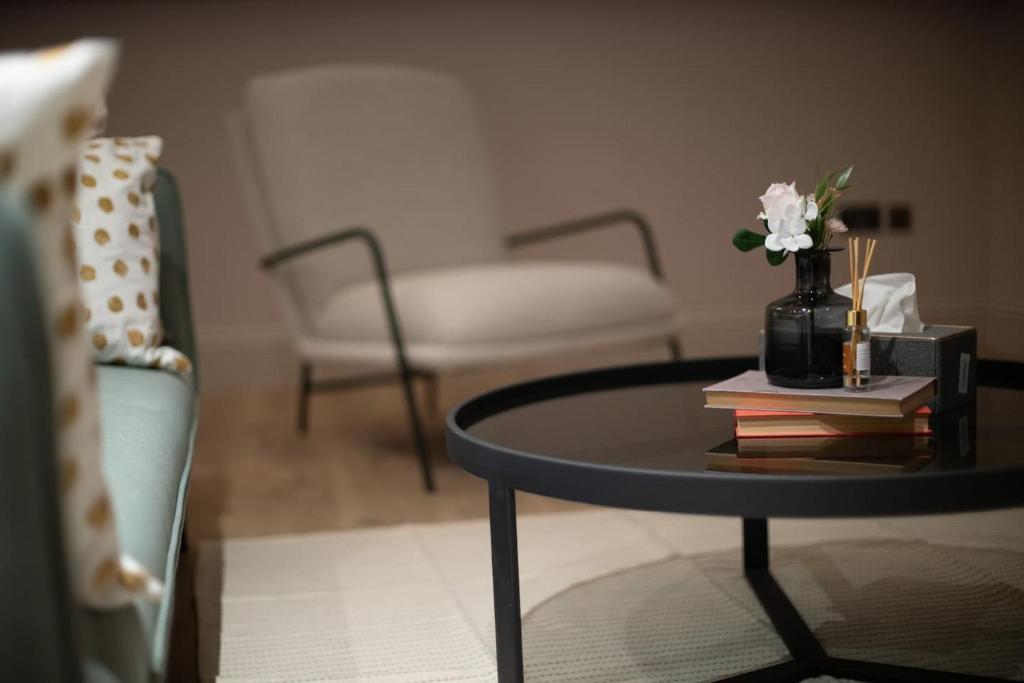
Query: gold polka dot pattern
point(39, 195)
point(76, 121)
point(69, 181)
point(67, 322)
point(99, 512)
point(119, 264)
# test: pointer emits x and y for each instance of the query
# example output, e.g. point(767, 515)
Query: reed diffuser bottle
point(856, 335)
point(856, 351)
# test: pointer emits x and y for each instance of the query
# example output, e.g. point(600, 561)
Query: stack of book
point(779, 430)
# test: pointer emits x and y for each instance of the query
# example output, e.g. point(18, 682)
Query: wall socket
point(900, 217)
point(861, 216)
point(867, 217)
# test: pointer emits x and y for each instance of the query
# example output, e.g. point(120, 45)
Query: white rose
point(777, 198)
point(786, 214)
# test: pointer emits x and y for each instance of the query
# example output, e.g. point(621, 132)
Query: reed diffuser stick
point(849, 253)
point(853, 276)
point(867, 266)
point(857, 374)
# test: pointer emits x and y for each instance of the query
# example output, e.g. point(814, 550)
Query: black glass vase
point(803, 332)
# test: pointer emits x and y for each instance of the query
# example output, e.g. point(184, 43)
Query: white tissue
point(891, 302)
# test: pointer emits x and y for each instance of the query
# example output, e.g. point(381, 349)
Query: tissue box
point(947, 352)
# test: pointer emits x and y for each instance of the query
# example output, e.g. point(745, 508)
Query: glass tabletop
point(667, 427)
point(641, 437)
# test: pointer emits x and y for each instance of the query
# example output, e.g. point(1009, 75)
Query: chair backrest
point(398, 150)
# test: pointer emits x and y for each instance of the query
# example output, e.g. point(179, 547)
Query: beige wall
point(1005, 107)
point(685, 111)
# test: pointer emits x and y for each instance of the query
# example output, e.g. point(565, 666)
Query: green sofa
point(149, 420)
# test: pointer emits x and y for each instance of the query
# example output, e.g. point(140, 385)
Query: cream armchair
point(372, 196)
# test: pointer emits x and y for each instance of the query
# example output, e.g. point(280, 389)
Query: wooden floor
point(254, 475)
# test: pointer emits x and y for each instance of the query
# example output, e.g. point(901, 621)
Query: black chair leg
point(417, 430)
point(305, 389)
point(675, 349)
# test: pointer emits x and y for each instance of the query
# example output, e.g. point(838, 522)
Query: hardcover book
point(776, 423)
point(889, 396)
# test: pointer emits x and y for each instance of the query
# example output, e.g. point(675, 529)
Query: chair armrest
point(359, 233)
point(380, 269)
point(619, 217)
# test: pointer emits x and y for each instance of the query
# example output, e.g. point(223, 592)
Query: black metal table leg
point(809, 658)
point(808, 654)
point(508, 631)
point(755, 545)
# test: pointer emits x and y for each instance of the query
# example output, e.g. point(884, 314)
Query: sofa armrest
point(175, 305)
point(36, 632)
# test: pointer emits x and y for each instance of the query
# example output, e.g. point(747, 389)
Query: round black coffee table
point(639, 437)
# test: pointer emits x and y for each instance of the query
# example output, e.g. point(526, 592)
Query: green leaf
point(815, 229)
point(746, 240)
point(776, 258)
point(764, 222)
point(823, 184)
point(843, 181)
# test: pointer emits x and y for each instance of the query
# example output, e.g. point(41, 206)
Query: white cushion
point(500, 305)
point(47, 105)
point(118, 253)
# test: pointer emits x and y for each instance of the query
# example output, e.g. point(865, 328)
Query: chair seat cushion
point(147, 418)
point(500, 302)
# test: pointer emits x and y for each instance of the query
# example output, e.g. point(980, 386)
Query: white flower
point(835, 225)
point(786, 214)
point(812, 209)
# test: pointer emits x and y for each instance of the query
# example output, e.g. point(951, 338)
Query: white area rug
point(610, 595)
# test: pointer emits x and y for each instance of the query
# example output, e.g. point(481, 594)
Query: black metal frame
point(407, 373)
point(808, 656)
